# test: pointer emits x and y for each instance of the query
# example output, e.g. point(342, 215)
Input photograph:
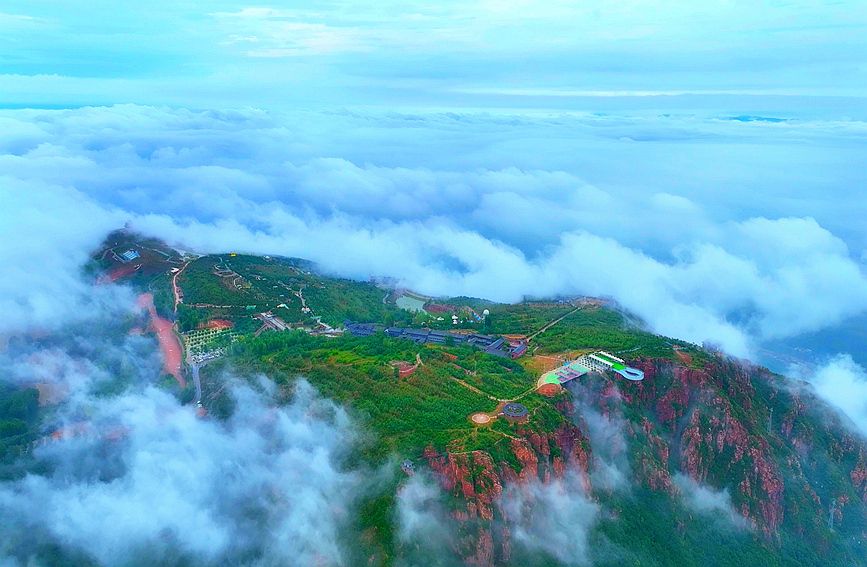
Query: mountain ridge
point(708, 459)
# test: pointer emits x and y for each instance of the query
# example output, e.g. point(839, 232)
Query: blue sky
point(446, 54)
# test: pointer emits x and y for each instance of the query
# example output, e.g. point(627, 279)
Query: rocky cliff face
point(477, 480)
point(726, 425)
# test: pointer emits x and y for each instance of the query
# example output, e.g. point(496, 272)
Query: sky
point(407, 53)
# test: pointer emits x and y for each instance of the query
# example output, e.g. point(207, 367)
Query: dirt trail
point(474, 389)
point(169, 342)
point(175, 289)
point(551, 324)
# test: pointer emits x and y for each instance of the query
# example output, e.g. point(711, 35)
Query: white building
point(600, 361)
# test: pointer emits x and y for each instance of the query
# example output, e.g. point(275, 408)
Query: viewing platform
point(595, 362)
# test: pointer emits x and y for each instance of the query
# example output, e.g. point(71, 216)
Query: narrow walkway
point(528, 391)
point(489, 396)
point(551, 324)
point(474, 389)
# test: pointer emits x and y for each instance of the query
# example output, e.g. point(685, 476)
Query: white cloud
point(708, 501)
point(555, 519)
point(843, 383)
point(318, 186)
point(420, 514)
point(149, 477)
point(48, 233)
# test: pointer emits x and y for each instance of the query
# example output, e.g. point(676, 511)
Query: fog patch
point(426, 533)
point(48, 232)
point(555, 518)
point(705, 500)
point(842, 383)
point(145, 479)
point(609, 468)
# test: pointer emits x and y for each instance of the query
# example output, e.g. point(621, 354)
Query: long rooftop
point(491, 345)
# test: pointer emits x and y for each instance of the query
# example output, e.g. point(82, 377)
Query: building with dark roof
point(360, 329)
point(491, 345)
point(514, 411)
point(518, 350)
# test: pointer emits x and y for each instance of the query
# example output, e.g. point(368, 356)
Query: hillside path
point(551, 324)
point(175, 289)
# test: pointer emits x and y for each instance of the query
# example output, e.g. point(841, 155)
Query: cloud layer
point(357, 194)
point(843, 383)
point(137, 475)
point(705, 500)
point(552, 519)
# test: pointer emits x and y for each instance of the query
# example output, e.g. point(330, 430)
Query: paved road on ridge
point(175, 289)
point(198, 383)
point(551, 324)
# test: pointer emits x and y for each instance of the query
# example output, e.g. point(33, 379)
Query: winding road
point(194, 370)
point(175, 289)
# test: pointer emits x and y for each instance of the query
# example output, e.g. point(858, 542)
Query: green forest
point(430, 407)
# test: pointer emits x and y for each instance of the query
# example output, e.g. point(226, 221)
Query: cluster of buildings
point(594, 362)
point(491, 345)
point(272, 322)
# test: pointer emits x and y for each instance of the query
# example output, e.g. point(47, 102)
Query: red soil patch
point(683, 357)
point(122, 271)
point(549, 390)
point(169, 343)
point(218, 324)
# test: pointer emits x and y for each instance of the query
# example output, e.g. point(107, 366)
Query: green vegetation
point(607, 329)
point(200, 284)
point(430, 407)
point(190, 318)
point(652, 530)
point(19, 420)
point(339, 300)
point(277, 284)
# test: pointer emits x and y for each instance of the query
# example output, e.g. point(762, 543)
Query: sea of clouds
point(707, 228)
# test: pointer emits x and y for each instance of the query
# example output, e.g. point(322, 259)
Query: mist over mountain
point(725, 266)
point(402, 284)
